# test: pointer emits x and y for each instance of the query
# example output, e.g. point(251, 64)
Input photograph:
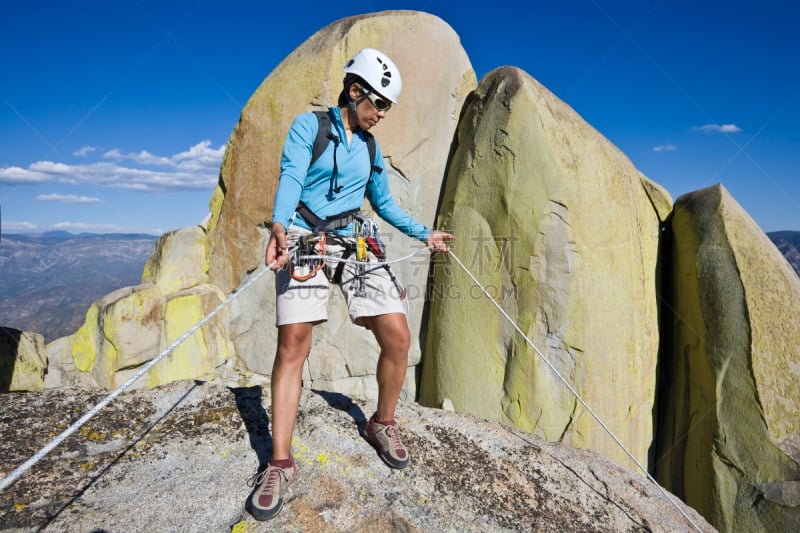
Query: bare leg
point(294, 343)
point(392, 333)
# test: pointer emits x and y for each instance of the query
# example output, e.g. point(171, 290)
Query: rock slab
point(178, 458)
point(415, 140)
point(730, 438)
point(563, 231)
point(23, 360)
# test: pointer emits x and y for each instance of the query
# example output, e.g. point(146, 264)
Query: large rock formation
point(415, 139)
point(730, 438)
point(558, 225)
point(128, 327)
point(23, 360)
point(178, 458)
point(564, 231)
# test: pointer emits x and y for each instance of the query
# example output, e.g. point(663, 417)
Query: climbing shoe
point(272, 489)
point(385, 438)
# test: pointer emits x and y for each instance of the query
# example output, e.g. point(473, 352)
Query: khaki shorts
point(370, 292)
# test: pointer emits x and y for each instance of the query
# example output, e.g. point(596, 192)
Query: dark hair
point(349, 80)
point(343, 100)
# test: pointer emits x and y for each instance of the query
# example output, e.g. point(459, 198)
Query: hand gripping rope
point(13, 476)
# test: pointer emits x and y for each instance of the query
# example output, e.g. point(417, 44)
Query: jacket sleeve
point(295, 160)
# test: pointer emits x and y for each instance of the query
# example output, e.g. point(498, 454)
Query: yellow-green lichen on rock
point(85, 342)
point(557, 223)
point(178, 260)
point(422, 46)
point(131, 326)
point(132, 330)
point(23, 360)
point(205, 349)
point(123, 329)
point(728, 423)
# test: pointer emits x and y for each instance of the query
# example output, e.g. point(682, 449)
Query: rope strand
point(573, 391)
point(13, 476)
point(356, 262)
point(17, 473)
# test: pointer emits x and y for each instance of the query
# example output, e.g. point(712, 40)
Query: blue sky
point(114, 114)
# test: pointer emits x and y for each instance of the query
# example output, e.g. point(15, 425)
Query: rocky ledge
point(179, 457)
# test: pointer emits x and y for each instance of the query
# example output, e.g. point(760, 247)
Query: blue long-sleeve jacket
point(313, 185)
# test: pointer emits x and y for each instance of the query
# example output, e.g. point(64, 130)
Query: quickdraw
point(310, 256)
point(363, 228)
point(368, 239)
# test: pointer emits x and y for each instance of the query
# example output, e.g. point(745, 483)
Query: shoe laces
point(258, 478)
point(394, 436)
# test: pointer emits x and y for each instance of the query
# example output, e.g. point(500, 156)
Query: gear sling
point(365, 229)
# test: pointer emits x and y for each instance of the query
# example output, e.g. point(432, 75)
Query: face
point(371, 107)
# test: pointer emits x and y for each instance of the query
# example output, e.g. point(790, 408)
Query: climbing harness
point(328, 224)
point(310, 255)
point(367, 234)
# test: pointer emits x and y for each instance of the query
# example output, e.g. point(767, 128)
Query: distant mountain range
point(788, 242)
point(48, 281)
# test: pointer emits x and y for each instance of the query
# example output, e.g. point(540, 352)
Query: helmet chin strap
point(352, 105)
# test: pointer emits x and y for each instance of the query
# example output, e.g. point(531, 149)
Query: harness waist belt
point(333, 222)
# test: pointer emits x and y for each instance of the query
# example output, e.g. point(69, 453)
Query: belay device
point(308, 257)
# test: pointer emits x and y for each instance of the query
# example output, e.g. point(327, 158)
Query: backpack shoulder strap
point(371, 146)
point(323, 138)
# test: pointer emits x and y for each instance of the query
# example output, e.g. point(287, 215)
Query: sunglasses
point(379, 103)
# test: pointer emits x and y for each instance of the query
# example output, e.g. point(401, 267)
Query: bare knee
point(401, 338)
point(294, 343)
point(392, 333)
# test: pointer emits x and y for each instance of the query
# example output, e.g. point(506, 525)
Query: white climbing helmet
point(378, 71)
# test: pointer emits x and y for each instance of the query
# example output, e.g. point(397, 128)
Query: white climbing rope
point(17, 473)
point(13, 476)
point(357, 262)
point(573, 391)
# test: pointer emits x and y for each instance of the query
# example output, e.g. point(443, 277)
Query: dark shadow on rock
point(256, 422)
point(341, 402)
point(9, 351)
point(251, 408)
point(117, 459)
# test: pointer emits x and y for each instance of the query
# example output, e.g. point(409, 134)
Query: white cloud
point(88, 228)
point(194, 169)
point(721, 128)
point(200, 157)
point(49, 167)
point(17, 175)
point(68, 198)
point(665, 148)
point(142, 158)
point(84, 151)
point(12, 226)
